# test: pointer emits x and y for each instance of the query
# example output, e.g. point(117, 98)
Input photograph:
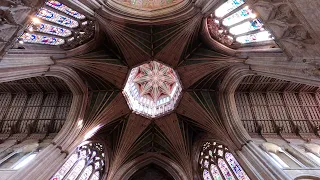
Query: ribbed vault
point(129, 135)
point(177, 35)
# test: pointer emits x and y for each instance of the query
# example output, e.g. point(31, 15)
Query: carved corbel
point(296, 129)
point(279, 129)
point(298, 36)
point(316, 130)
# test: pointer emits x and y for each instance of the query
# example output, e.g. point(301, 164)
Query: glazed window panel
point(49, 29)
point(241, 15)
point(314, 157)
point(86, 173)
point(246, 27)
point(216, 162)
point(215, 172)
point(88, 161)
point(96, 176)
point(40, 39)
point(258, 37)
point(206, 175)
point(279, 160)
point(65, 9)
point(66, 167)
point(234, 24)
point(225, 170)
point(54, 17)
point(227, 7)
point(76, 170)
point(235, 166)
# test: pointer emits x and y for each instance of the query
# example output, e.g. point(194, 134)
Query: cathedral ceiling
point(149, 4)
point(176, 45)
point(126, 44)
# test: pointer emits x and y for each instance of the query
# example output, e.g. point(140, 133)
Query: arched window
point(57, 24)
point(313, 152)
point(280, 156)
point(87, 163)
point(235, 23)
point(217, 162)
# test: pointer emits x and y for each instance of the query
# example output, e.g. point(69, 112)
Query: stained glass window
point(206, 175)
point(50, 29)
point(257, 37)
point(217, 158)
point(86, 173)
point(41, 39)
point(238, 16)
point(65, 9)
point(234, 18)
point(227, 7)
point(76, 170)
point(246, 27)
point(87, 161)
point(225, 170)
point(96, 176)
point(215, 172)
point(54, 17)
point(235, 166)
point(65, 167)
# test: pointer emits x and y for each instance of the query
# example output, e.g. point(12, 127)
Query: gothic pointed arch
point(172, 168)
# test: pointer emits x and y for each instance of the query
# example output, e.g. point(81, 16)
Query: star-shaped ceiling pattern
point(130, 135)
point(155, 80)
point(149, 4)
point(152, 89)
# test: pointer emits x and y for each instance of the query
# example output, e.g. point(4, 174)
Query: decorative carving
point(81, 35)
point(214, 32)
point(280, 18)
point(314, 71)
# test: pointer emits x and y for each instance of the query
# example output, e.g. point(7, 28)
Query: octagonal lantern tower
point(152, 89)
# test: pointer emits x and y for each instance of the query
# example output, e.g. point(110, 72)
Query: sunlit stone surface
point(152, 89)
point(149, 4)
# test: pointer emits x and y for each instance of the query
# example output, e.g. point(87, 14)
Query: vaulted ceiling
point(124, 43)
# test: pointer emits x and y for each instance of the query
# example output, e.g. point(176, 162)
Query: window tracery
point(65, 9)
point(217, 163)
point(87, 163)
point(234, 23)
point(57, 24)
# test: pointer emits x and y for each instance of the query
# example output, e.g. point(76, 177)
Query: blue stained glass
point(50, 29)
point(54, 17)
point(40, 39)
point(235, 166)
point(246, 27)
point(238, 16)
point(206, 175)
point(215, 172)
point(227, 7)
point(65, 9)
point(225, 170)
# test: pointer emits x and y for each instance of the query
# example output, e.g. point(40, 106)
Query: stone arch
point(126, 171)
point(59, 147)
point(196, 149)
point(307, 177)
point(151, 171)
point(232, 80)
